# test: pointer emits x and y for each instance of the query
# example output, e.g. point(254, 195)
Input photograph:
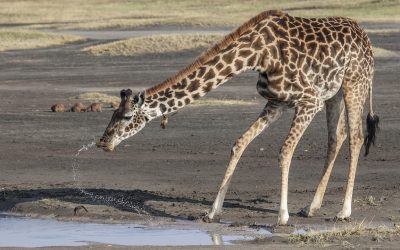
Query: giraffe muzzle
point(108, 147)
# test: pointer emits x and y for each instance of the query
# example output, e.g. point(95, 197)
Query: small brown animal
point(78, 107)
point(58, 107)
point(94, 107)
point(114, 104)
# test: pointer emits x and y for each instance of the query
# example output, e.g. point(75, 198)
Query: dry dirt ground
point(175, 173)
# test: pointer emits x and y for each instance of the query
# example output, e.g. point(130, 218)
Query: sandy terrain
point(175, 173)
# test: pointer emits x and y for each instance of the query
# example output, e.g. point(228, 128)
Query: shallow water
point(28, 232)
point(95, 197)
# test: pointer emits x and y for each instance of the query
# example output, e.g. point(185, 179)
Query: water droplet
point(109, 200)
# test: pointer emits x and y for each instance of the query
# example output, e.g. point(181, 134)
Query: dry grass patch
point(175, 42)
point(95, 14)
point(154, 44)
point(369, 201)
point(382, 31)
point(97, 97)
point(220, 102)
point(344, 234)
point(53, 203)
point(12, 39)
point(380, 52)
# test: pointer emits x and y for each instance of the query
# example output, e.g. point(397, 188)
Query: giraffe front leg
point(303, 117)
point(270, 114)
point(336, 137)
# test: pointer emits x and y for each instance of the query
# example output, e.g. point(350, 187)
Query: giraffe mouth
point(108, 147)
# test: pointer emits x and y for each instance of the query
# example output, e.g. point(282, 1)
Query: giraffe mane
point(210, 53)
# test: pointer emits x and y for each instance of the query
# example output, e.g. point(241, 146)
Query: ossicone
point(125, 93)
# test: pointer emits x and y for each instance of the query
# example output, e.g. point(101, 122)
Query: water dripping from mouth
point(95, 197)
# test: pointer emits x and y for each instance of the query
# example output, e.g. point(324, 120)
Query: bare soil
point(175, 173)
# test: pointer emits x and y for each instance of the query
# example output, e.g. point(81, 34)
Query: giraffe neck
point(249, 47)
point(195, 85)
point(200, 78)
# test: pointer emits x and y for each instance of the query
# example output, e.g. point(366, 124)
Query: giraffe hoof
point(306, 212)
point(206, 218)
point(345, 219)
point(343, 215)
point(283, 217)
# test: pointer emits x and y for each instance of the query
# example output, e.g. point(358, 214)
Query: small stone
point(58, 107)
point(78, 107)
point(114, 104)
point(94, 107)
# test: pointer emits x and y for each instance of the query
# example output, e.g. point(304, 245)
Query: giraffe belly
point(327, 82)
point(327, 89)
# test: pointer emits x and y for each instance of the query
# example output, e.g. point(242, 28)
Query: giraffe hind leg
point(354, 97)
point(336, 136)
point(270, 114)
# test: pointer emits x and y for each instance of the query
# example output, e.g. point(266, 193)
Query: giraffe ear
point(139, 99)
point(122, 94)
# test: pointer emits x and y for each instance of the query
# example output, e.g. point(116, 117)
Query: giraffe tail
point(372, 125)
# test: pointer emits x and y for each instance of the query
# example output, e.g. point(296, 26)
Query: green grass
point(12, 39)
point(154, 44)
point(101, 14)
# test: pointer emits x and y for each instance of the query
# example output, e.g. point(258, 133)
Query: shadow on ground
point(132, 201)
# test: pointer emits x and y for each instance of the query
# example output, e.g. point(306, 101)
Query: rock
point(78, 107)
point(94, 107)
point(114, 104)
point(58, 107)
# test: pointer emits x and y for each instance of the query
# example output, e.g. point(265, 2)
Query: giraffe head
point(126, 121)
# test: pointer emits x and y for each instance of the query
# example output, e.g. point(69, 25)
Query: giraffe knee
point(236, 147)
point(233, 150)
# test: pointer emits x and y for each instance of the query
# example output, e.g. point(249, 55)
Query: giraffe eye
point(127, 117)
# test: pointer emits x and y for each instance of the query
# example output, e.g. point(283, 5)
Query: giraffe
point(303, 64)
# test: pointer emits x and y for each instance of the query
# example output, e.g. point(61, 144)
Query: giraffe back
point(308, 57)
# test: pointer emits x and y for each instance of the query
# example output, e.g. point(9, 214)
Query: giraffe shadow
point(229, 204)
point(124, 200)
